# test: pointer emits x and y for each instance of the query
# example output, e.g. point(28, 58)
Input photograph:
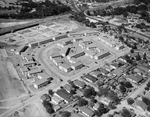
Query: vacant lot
point(10, 86)
point(28, 111)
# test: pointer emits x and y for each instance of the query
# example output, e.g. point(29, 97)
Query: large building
point(76, 55)
point(77, 65)
point(65, 67)
point(20, 49)
point(43, 79)
point(101, 55)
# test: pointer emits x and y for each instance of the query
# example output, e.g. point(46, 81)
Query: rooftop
point(90, 78)
point(87, 111)
point(79, 83)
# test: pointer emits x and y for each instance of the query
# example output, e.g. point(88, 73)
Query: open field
point(28, 111)
point(10, 86)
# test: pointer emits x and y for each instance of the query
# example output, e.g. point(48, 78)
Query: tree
point(98, 113)
point(125, 113)
point(148, 108)
point(102, 108)
point(49, 109)
point(113, 96)
point(122, 89)
point(65, 114)
point(147, 88)
point(82, 102)
point(132, 51)
point(89, 92)
point(130, 101)
point(128, 85)
point(102, 91)
point(148, 84)
point(146, 100)
point(138, 57)
point(46, 103)
point(50, 92)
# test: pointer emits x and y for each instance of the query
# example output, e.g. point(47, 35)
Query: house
point(123, 59)
point(77, 65)
point(56, 100)
point(64, 95)
point(106, 101)
point(45, 97)
point(79, 84)
point(79, 92)
point(68, 88)
point(56, 107)
point(108, 68)
point(86, 111)
point(95, 73)
point(147, 94)
point(140, 105)
point(135, 79)
point(90, 78)
point(96, 106)
point(65, 67)
point(103, 71)
point(139, 71)
point(114, 65)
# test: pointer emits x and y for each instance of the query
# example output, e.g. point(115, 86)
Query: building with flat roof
point(33, 45)
point(61, 37)
point(28, 63)
point(45, 41)
point(76, 55)
point(65, 67)
point(101, 55)
point(55, 55)
point(57, 61)
point(86, 111)
point(24, 70)
point(43, 75)
point(21, 48)
point(39, 83)
point(34, 71)
point(90, 53)
point(65, 51)
point(77, 65)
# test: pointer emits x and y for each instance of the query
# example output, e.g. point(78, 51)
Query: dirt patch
point(28, 111)
point(10, 86)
